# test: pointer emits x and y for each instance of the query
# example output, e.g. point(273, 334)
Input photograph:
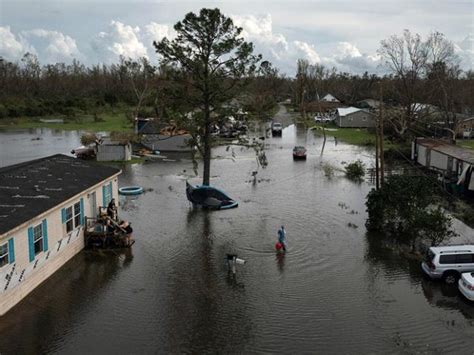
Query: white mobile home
point(43, 204)
point(452, 161)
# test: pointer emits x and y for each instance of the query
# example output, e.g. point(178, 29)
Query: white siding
point(20, 278)
point(439, 160)
point(421, 155)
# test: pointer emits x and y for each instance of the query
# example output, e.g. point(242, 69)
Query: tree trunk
point(206, 176)
point(207, 152)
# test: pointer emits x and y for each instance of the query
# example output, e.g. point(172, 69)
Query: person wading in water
point(282, 237)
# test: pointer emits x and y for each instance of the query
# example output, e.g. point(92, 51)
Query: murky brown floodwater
point(336, 290)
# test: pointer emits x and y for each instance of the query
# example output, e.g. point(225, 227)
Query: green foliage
point(404, 209)
point(355, 170)
point(207, 64)
point(88, 138)
point(328, 170)
point(3, 111)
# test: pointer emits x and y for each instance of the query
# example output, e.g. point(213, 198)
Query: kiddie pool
point(131, 190)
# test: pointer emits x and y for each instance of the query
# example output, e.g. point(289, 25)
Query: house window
point(38, 239)
point(107, 191)
point(4, 260)
point(73, 217)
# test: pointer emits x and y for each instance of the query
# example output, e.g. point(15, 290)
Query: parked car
point(276, 129)
point(448, 262)
point(299, 152)
point(466, 285)
point(322, 119)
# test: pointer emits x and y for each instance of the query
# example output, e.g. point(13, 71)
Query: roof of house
point(464, 154)
point(329, 97)
point(34, 187)
point(373, 103)
point(344, 111)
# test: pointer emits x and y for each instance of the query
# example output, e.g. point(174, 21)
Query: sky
point(337, 33)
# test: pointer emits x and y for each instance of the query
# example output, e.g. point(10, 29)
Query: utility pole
point(377, 184)
point(382, 174)
point(323, 123)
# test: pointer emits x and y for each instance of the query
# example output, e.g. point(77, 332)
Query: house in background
point(165, 137)
point(43, 206)
point(110, 150)
point(370, 104)
point(465, 128)
point(354, 117)
point(329, 98)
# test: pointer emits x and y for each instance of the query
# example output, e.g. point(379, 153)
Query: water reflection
point(280, 258)
point(30, 334)
point(174, 293)
point(197, 289)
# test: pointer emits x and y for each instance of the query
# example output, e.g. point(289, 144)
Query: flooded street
point(336, 290)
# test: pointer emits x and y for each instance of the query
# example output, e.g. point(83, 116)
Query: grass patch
point(357, 136)
point(466, 143)
point(108, 121)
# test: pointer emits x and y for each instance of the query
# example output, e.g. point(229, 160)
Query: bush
point(328, 170)
point(403, 209)
point(355, 170)
point(88, 138)
point(3, 111)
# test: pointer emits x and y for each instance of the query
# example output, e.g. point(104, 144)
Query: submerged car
point(209, 197)
point(299, 152)
point(466, 285)
point(276, 129)
point(448, 262)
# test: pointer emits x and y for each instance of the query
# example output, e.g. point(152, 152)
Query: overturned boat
point(209, 197)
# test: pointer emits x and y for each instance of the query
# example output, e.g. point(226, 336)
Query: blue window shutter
point(31, 244)
point(11, 251)
point(111, 195)
point(45, 234)
point(82, 212)
point(104, 197)
point(63, 215)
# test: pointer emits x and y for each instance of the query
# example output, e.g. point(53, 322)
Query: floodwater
point(336, 290)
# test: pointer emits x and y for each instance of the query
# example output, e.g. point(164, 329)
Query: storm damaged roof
point(31, 188)
point(464, 154)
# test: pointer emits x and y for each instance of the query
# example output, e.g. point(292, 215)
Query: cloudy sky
point(341, 33)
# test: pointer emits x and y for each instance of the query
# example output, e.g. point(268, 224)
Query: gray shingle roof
point(31, 188)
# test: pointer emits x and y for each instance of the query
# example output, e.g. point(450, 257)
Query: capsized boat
point(209, 197)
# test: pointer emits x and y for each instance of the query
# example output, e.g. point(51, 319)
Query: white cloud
point(465, 51)
point(53, 46)
point(274, 46)
point(307, 51)
point(156, 32)
point(347, 57)
point(120, 40)
point(284, 53)
point(12, 48)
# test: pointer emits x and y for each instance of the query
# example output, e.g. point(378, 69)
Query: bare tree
point(406, 56)
point(443, 73)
